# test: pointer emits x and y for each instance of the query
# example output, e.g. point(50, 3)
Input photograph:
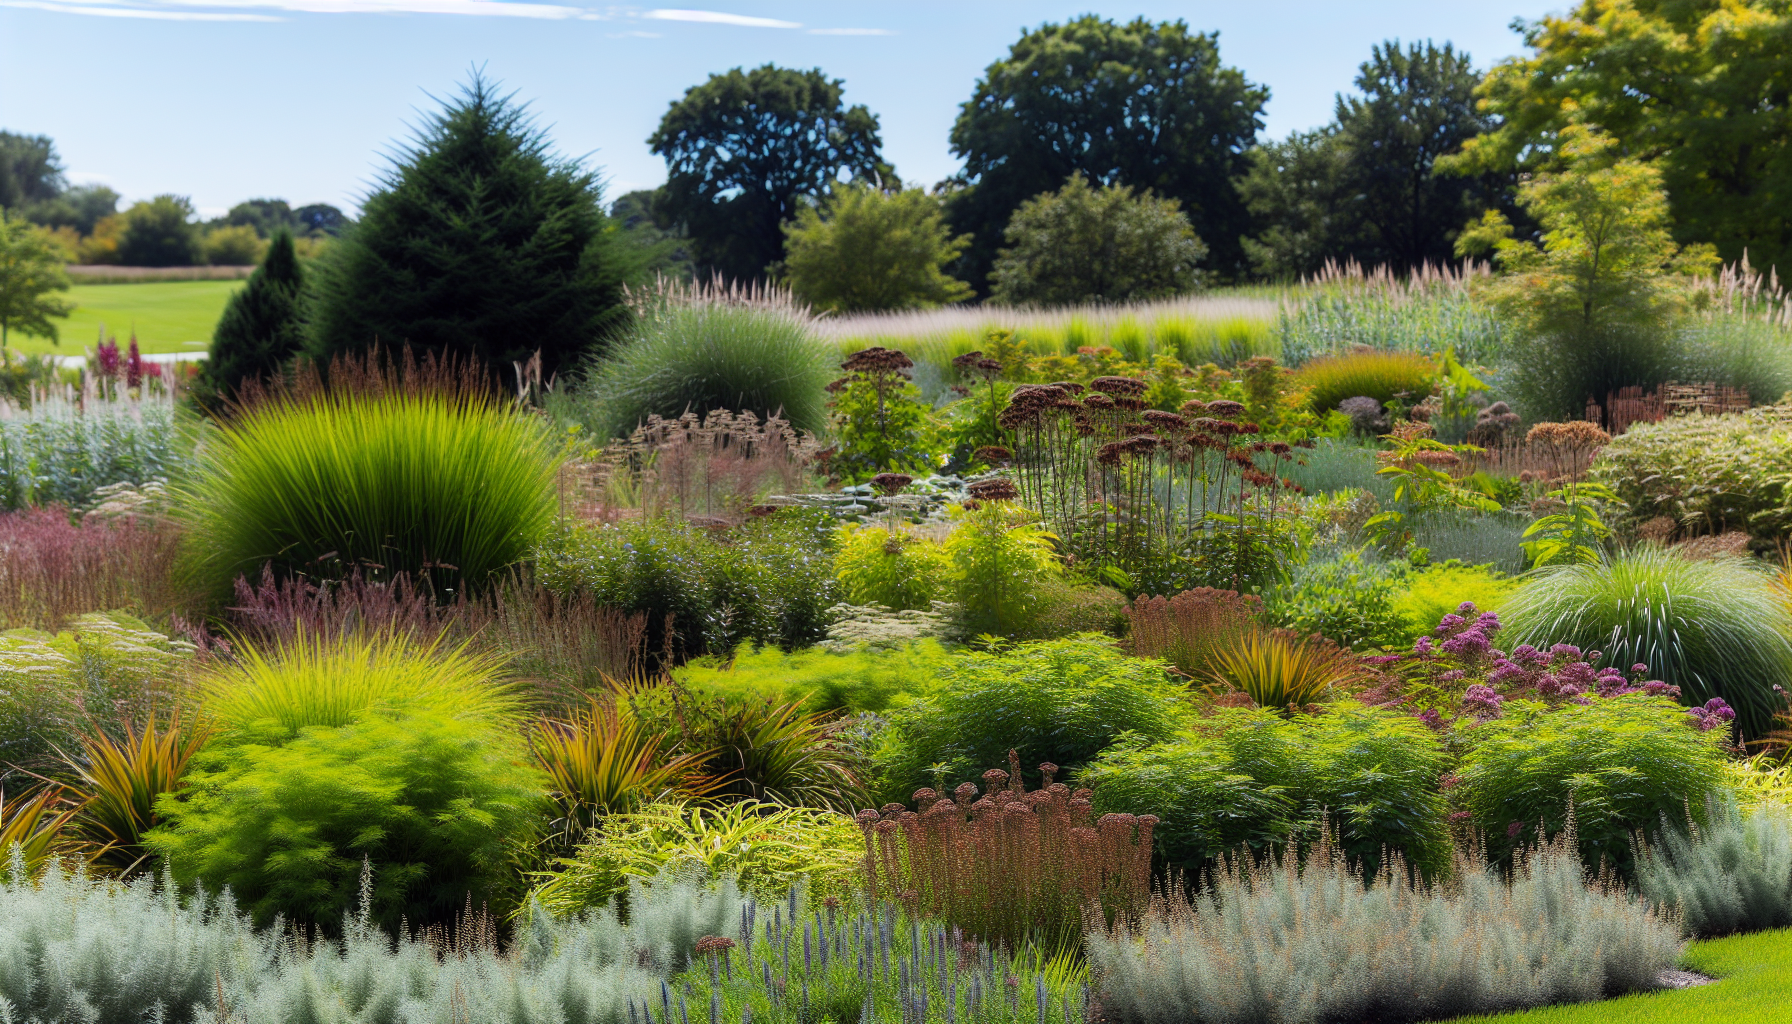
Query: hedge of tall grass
point(703, 356)
point(452, 486)
point(1714, 628)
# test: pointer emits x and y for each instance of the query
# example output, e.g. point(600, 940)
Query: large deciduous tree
point(1366, 187)
point(745, 150)
point(1700, 89)
point(30, 171)
point(1140, 104)
point(160, 232)
point(479, 243)
point(30, 271)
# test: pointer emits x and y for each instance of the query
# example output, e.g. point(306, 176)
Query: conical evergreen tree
point(260, 330)
point(478, 243)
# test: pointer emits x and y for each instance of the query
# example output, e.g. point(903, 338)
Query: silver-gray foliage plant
point(1733, 874)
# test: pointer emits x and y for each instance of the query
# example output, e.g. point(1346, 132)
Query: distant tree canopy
point(745, 149)
point(160, 232)
point(479, 242)
point(865, 249)
point(1080, 244)
point(1367, 187)
point(1698, 88)
point(1141, 104)
point(81, 207)
point(270, 216)
point(30, 171)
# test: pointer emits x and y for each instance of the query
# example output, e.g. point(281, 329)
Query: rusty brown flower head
point(1097, 400)
point(995, 454)
point(1164, 422)
point(889, 484)
point(995, 489)
point(1119, 387)
point(1069, 387)
point(1225, 409)
point(877, 359)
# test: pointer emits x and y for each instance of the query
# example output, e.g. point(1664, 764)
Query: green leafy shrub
point(1083, 244)
point(1441, 588)
point(1057, 701)
point(330, 753)
point(893, 568)
point(1249, 778)
point(451, 487)
point(769, 580)
point(1396, 950)
point(1714, 628)
point(822, 680)
point(879, 418)
point(868, 249)
point(103, 669)
point(1000, 561)
point(1348, 599)
point(1708, 474)
point(767, 848)
point(1733, 873)
point(1624, 762)
point(1380, 375)
point(701, 356)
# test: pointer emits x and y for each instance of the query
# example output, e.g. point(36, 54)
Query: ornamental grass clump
point(446, 483)
point(1293, 940)
point(1192, 629)
point(1013, 866)
point(1714, 628)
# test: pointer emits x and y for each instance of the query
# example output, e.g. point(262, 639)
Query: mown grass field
point(168, 316)
point(1755, 987)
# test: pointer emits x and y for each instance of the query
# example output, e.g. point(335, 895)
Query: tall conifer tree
point(260, 330)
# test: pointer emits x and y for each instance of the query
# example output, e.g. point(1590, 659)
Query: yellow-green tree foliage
point(1696, 88)
point(867, 249)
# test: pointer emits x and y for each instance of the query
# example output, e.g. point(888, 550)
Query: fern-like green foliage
point(331, 753)
point(856, 679)
point(1251, 778)
point(456, 487)
point(1624, 762)
point(1441, 588)
point(1347, 597)
point(1715, 628)
point(1290, 941)
point(102, 667)
point(1731, 874)
point(893, 568)
point(769, 849)
point(1062, 701)
point(1001, 560)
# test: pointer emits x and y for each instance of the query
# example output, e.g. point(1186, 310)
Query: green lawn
point(1756, 985)
point(169, 316)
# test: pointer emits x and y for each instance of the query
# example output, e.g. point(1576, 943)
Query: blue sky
point(222, 100)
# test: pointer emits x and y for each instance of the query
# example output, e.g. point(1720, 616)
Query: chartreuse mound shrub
point(1379, 375)
point(452, 486)
point(1626, 763)
point(1714, 628)
point(328, 754)
point(1441, 588)
point(1062, 701)
point(1247, 777)
point(822, 680)
point(893, 568)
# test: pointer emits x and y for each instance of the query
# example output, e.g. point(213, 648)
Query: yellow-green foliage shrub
point(766, 848)
point(823, 680)
point(893, 568)
point(1439, 589)
point(1374, 374)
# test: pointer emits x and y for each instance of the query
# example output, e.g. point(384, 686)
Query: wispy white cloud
point(153, 14)
point(633, 34)
point(851, 32)
point(719, 18)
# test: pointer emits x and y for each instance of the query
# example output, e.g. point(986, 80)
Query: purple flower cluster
point(1564, 673)
point(1715, 713)
point(1466, 637)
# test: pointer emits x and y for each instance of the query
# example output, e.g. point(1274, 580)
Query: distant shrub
point(702, 356)
point(768, 581)
point(1379, 375)
point(1250, 778)
point(1714, 628)
point(235, 246)
point(894, 568)
point(867, 249)
point(1733, 873)
point(1397, 950)
point(1058, 701)
point(1347, 598)
point(768, 849)
point(1708, 474)
point(1623, 762)
point(823, 680)
point(1083, 244)
point(328, 753)
point(1440, 588)
point(455, 487)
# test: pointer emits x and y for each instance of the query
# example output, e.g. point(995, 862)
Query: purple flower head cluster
point(1482, 703)
point(1565, 672)
point(1716, 712)
point(1466, 636)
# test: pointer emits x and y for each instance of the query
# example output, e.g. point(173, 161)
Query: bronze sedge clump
point(1014, 864)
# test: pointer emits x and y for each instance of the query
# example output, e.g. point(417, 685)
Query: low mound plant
point(1716, 628)
point(702, 356)
point(1733, 873)
point(1373, 374)
point(448, 485)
